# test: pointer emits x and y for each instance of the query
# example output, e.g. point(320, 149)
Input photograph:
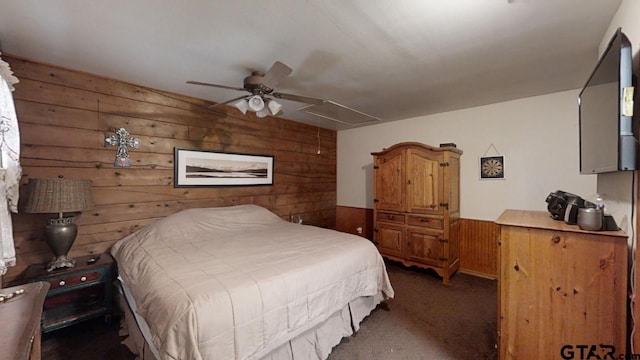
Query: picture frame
point(492, 167)
point(195, 168)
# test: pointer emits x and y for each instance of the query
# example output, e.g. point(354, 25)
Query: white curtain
point(10, 170)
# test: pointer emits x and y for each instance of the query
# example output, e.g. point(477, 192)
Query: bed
point(239, 282)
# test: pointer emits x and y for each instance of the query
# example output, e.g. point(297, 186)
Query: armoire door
point(424, 182)
point(389, 181)
point(424, 246)
point(389, 239)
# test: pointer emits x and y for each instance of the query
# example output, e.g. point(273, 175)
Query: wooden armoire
point(417, 206)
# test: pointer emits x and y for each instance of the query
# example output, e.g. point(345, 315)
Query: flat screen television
point(605, 106)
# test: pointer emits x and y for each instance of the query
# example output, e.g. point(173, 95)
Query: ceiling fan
point(261, 88)
point(261, 85)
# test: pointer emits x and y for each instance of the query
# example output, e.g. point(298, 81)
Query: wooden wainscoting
point(479, 247)
point(478, 239)
point(350, 219)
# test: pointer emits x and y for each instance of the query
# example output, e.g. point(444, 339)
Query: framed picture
point(210, 168)
point(492, 167)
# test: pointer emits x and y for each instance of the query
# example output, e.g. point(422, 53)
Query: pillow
point(239, 214)
point(236, 217)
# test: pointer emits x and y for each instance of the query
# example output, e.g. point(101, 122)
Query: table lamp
point(59, 196)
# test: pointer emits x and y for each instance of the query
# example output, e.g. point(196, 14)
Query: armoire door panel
point(424, 247)
point(424, 182)
point(389, 239)
point(389, 182)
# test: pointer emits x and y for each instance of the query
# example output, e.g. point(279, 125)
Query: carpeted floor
point(426, 320)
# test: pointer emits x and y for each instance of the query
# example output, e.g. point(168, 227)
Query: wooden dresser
point(560, 288)
point(417, 206)
point(20, 317)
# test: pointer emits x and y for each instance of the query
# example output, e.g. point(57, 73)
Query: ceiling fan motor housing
point(255, 83)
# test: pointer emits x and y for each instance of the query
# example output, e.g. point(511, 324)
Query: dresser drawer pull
point(83, 279)
point(62, 283)
point(424, 220)
point(390, 217)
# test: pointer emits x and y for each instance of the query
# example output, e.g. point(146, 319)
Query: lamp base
point(61, 262)
point(59, 234)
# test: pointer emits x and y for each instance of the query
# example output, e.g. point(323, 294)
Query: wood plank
point(60, 156)
point(53, 115)
point(140, 194)
point(77, 79)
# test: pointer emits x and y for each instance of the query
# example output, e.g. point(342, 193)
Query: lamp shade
point(242, 105)
point(255, 103)
point(58, 195)
point(274, 107)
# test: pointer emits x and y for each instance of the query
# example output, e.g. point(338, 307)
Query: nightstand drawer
point(79, 297)
point(75, 279)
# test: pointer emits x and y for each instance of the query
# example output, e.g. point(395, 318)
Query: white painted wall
point(538, 137)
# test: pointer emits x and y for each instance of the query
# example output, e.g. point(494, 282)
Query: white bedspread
point(237, 282)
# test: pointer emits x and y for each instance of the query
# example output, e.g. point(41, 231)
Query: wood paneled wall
point(479, 247)
point(64, 114)
point(478, 239)
point(350, 219)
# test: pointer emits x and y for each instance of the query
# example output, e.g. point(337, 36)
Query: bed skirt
point(315, 343)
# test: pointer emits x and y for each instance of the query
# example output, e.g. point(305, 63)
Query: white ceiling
point(393, 59)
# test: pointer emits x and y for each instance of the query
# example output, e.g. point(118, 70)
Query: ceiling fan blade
point(298, 98)
point(230, 101)
point(275, 74)
point(216, 85)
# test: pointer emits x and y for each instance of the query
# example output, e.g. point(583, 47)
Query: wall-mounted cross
point(121, 139)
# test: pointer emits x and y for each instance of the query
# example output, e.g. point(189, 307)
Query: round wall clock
point(492, 167)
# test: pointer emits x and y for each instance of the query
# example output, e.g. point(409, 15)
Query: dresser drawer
point(425, 221)
point(74, 279)
point(390, 217)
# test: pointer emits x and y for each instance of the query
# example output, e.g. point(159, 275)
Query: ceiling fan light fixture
point(242, 105)
point(274, 107)
point(255, 103)
point(262, 113)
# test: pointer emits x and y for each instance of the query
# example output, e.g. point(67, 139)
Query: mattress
point(239, 282)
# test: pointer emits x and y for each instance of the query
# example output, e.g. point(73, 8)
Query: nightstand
point(75, 294)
